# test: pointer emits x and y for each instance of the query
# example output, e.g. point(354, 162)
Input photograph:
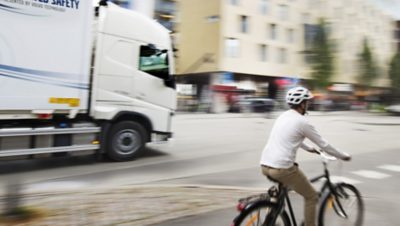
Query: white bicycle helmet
point(297, 94)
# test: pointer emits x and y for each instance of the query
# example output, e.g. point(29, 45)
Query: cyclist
point(287, 135)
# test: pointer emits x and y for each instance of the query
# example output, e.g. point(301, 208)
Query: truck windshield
point(154, 61)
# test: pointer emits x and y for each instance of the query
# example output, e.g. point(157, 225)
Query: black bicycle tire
point(325, 198)
point(254, 206)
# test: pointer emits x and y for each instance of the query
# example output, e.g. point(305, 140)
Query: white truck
point(75, 76)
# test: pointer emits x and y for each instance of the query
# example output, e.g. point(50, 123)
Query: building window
point(290, 35)
point(232, 47)
point(273, 31)
point(263, 7)
point(306, 18)
point(338, 12)
point(244, 24)
point(283, 12)
point(263, 52)
point(282, 56)
point(154, 61)
point(315, 3)
point(234, 2)
point(124, 4)
point(213, 19)
point(164, 13)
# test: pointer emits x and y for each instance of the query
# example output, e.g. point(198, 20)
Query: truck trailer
point(77, 76)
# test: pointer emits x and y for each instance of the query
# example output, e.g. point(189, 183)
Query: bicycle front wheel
point(258, 214)
point(345, 209)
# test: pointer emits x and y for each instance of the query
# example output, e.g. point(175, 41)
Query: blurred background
point(236, 55)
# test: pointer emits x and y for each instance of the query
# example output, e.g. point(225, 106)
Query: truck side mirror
point(170, 82)
point(162, 52)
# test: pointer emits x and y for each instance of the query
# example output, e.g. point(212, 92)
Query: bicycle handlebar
point(326, 157)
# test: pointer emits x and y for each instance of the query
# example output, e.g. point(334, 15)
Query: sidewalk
point(128, 205)
point(379, 120)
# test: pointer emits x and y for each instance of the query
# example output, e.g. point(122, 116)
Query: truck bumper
point(161, 137)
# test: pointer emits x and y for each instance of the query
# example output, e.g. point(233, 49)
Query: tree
point(321, 57)
point(368, 69)
point(394, 73)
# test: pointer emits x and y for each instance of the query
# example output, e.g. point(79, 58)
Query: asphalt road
point(224, 150)
point(376, 176)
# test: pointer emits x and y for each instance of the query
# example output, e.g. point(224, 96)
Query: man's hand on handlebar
point(347, 157)
point(314, 150)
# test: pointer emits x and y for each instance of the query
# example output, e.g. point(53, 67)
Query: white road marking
point(336, 179)
point(371, 174)
point(395, 168)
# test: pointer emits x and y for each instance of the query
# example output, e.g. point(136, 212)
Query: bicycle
point(336, 200)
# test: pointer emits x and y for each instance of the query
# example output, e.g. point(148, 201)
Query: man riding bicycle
point(287, 135)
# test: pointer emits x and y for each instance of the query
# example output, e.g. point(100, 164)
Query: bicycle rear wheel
point(257, 215)
point(347, 209)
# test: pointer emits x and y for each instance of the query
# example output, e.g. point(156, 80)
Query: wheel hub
point(127, 141)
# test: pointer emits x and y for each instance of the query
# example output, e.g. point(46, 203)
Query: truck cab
point(133, 72)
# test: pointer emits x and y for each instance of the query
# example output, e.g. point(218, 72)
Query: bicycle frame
point(330, 186)
point(327, 184)
point(281, 198)
point(284, 197)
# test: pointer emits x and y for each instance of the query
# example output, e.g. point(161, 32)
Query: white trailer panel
point(45, 51)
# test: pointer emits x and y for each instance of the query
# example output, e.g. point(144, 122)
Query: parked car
point(393, 109)
point(254, 104)
point(359, 105)
point(330, 104)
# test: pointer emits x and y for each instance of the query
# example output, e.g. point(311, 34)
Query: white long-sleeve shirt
point(287, 135)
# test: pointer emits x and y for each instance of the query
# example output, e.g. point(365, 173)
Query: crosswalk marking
point(336, 179)
point(395, 168)
point(371, 174)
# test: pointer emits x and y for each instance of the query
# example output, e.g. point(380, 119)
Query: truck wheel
point(126, 141)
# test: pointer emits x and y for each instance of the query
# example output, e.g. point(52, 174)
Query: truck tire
point(125, 141)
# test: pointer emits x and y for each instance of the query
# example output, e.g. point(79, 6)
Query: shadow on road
point(28, 164)
point(151, 152)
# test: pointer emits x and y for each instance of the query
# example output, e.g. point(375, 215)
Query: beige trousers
point(295, 179)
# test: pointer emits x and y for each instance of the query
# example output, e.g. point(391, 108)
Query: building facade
point(163, 11)
point(351, 22)
point(255, 44)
